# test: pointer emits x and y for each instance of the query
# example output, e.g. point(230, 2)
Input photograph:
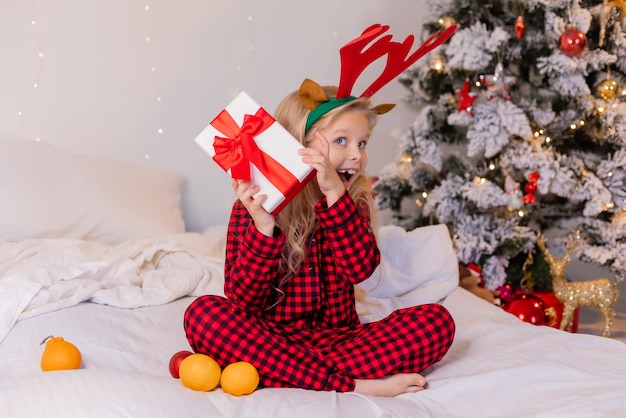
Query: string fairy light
point(446, 21)
point(244, 54)
point(250, 46)
point(437, 63)
point(239, 67)
point(577, 125)
point(150, 48)
point(37, 82)
point(540, 135)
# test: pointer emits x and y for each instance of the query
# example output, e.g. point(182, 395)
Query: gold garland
point(527, 282)
point(606, 11)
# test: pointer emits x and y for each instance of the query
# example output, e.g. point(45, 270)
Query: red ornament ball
point(572, 41)
point(507, 293)
point(528, 308)
point(530, 187)
point(534, 176)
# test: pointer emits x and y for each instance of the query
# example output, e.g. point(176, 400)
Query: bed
point(107, 265)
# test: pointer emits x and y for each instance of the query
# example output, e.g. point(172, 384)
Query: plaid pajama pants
point(295, 355)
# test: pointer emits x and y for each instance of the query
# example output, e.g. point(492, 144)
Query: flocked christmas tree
point(520, 127)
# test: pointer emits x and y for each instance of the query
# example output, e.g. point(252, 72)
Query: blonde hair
point(297, 219)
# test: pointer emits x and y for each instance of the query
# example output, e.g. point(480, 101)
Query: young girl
point(289, 280)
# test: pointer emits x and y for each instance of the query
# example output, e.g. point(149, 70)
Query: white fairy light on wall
point(31, 90)
point(244, 59)
point(150, 48)
point(239, 67)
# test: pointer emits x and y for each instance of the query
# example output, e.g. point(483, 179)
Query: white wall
point(99, 76)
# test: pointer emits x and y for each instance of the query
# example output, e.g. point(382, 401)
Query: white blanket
point(44, 275)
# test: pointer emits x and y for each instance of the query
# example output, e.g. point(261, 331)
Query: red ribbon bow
point(239, 149)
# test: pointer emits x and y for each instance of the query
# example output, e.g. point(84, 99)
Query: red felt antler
point(355, 59)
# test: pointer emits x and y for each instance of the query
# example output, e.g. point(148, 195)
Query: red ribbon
point(238, 149)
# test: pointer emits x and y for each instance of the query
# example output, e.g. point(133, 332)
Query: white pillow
point(49, 193)
point(412, 259)
point(416, 267)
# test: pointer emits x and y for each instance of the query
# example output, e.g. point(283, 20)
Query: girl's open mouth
point(346, 175)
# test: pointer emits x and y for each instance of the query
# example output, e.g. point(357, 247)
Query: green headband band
point(324, 108)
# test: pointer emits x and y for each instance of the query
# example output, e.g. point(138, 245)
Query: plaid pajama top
point(340, 253)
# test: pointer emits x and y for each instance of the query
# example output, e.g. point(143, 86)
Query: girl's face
point(347, 136)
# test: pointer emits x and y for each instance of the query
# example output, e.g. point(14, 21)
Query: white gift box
point(245, 140)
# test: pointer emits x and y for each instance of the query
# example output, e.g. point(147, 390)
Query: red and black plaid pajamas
point(308, 334)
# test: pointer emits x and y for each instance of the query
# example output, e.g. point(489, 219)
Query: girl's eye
point(363, 144)
point(340, 141)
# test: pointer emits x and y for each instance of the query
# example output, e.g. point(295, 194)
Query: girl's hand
point(264, 221)
point(327, 178)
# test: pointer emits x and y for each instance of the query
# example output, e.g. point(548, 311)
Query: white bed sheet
point(497, 366)
point(125, 372)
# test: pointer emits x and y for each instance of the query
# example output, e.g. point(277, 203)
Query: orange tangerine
point(240, 378)
point(199, 372)
point(59, 355)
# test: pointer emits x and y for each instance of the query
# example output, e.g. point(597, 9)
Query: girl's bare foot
point(391, 385)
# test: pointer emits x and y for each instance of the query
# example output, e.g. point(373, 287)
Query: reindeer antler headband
point(355, 59)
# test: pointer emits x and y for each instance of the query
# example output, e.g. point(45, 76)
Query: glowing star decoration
point(513, 191)
point(497, 83)
point(465, 98)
